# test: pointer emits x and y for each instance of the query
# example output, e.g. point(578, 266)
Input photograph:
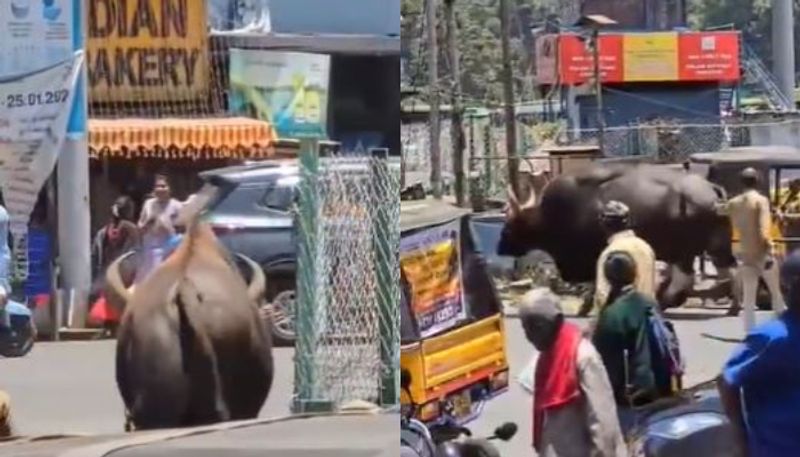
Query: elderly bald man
point(574, 413)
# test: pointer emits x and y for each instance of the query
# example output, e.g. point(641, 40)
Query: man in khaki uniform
point(616, 221)
point(750, 215)
point(5, 415)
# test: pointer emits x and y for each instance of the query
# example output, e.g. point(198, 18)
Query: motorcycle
point(17, 330)
point(445, 438)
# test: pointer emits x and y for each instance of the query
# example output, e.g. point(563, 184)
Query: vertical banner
point(287, 89)
point(34, 35)
point(33, 124)
point(651, 56)
point(430, 260)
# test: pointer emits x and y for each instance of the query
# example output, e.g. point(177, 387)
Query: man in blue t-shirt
point(763, 372)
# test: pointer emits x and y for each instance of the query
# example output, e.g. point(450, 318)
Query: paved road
point(702, 334)
point(70, 387)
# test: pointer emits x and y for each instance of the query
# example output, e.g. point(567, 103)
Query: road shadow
point(695, 316)
point(722, 339)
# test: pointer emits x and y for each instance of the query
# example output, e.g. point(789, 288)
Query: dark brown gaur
point(191, 347)
point(561, 218)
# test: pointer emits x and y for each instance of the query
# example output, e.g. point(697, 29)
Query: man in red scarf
point(574, 413)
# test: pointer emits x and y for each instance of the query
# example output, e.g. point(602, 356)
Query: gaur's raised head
point(522, 226)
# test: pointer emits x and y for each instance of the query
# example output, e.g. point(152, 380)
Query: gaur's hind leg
point(679, 283)
point(588, 302)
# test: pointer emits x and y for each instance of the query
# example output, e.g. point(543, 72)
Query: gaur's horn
point(114, 279)
point(258, 284)
point(531, 202)
point(513, 202)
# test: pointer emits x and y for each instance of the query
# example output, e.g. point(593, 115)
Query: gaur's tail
point(199, 358)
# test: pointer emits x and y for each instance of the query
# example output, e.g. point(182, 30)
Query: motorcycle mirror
point(405, 379)
point(506, 431)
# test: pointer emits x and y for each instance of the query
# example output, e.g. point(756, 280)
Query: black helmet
point(620, 269)
point(790, 278)
point(616, 213)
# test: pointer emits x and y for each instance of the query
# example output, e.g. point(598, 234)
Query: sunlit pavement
point(69, 387)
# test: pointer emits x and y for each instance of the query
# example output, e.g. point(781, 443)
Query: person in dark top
point(760, 384)
point(622, 339)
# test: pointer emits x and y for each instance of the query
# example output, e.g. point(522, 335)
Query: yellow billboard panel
point(650, 56)
point(147, 51)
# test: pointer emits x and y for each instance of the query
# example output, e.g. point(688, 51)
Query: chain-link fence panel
point(347, 319)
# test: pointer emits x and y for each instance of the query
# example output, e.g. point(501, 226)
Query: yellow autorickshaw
point(452, 332)
point(773, 163)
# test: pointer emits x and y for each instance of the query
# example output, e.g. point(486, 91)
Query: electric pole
point(457, 111)
point(433, 99)
point(598, 89)
point(783, 47)
point(508, 97)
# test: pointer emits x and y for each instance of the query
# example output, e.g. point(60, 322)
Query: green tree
point(479, 47)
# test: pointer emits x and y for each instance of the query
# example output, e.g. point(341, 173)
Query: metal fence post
point(386, 247)
point(307, 222)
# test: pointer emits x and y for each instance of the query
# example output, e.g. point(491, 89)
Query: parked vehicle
point(253, 216)
point(773, 163)
point(17, 330)
point(444, 438)
point(692, 424)
point(453, 339)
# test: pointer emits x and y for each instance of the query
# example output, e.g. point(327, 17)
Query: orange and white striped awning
point(172, 138)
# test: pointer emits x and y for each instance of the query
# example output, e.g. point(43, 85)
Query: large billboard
point(576, 62)
point(709, 56)
point(650, 56)
point(151, 51)
point(641, 57)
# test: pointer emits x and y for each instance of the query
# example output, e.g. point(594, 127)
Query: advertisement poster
point(577, 62)
point(638, 57)
point(709, 56)
point(34, 111)
point(34, 34)
point(430, 262)
point(287, 89)
point(651, 56)
point(155, 50)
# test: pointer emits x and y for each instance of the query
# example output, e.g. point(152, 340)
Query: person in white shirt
point(157, 224)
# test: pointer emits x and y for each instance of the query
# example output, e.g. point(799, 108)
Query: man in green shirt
point(622, 339)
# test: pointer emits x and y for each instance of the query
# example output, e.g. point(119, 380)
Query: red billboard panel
point(708, 56)
point(577, 63)
point(701, 56)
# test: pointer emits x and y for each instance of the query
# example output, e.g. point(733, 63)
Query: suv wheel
point(281, 318)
